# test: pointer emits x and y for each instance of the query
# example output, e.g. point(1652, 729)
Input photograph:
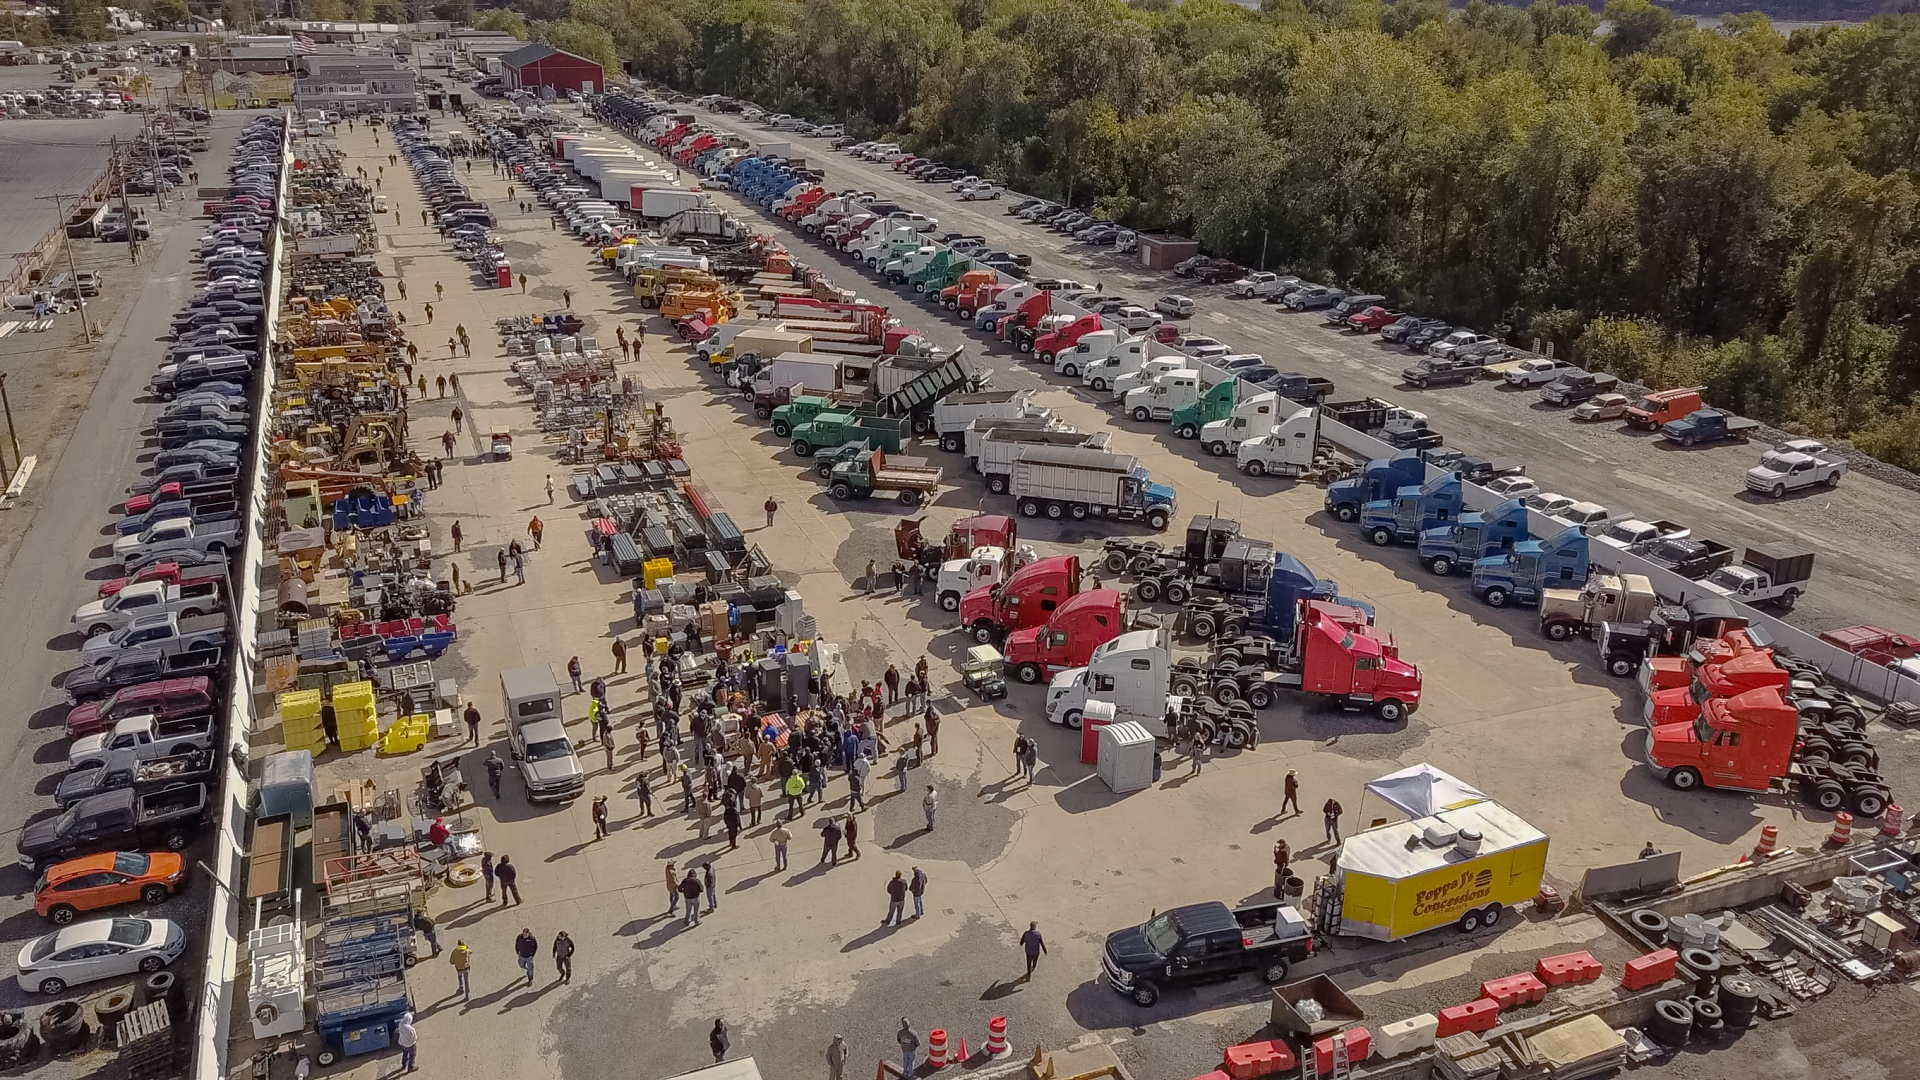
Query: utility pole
point(59, 210)
point(1263, 248)
point(11, 436)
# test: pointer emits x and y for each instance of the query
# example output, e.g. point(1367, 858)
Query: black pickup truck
point(1305, 389)
point(116, 821)
point(1204, 943)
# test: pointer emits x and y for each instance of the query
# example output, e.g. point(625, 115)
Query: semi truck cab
point(1085, 622)
point(1027, 598)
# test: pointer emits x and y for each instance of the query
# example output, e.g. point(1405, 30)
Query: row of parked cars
point(142, 728)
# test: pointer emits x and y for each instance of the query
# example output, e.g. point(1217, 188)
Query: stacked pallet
point(1466, 1056)
point(300, 721)
point(1579, 1048)
point(145, 1040)
point(355, 715)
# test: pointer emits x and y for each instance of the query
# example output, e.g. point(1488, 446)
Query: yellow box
point(353, 695)
point(653, 570)
point(295, 704)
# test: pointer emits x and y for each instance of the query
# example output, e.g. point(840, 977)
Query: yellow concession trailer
point(1464, 866)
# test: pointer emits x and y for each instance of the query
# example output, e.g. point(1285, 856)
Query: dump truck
point(1078, 482)
point(993, 456)
point(833, 429)
point(953, 413)
point(911, 480)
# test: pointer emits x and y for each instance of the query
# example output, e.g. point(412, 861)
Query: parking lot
point(1867, 571)
point(791, 958)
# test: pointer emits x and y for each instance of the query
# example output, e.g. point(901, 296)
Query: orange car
point(113, 877)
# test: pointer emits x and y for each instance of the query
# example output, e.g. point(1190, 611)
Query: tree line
point(1727, 206)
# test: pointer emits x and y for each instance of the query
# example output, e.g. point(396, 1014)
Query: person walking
point(526, 947)
point(408, 1040)
point(549, 491)
point(537, 529)
point(403, 289)
point(620, 664)
point(917, 885)
point(718, 1042)
point(487, 872)
point(686, 789)
point(576, 673)
point(1030, 761)
point(1198, 757)
point(872, 573)
point(600, 816)
point(852, 830)
point(673, 892)
point(756, 799)
point(1034, 945)
point(771, 508)
point(472, 716)
point(446, 442)
point(566, 298)
point(509, 876)
point(690, 892)
point(428, 308)
point(731, 816)
point(909, 1045)
point(796, 788)
point(563, 956)
point(830, 842)
point(1282, 855)
point(456, 415)
point(1290, 793)
point(462, 960)
point(523, 284)
point(440, 385)
point(896, 901)
point(495, 769)
point(713, 889)
point(931, 804)
point(439, 291)
point(781, 837)
point(1330, 813)
point(642, 789)
point(837, 1057)
point(519, 568)
point(856, 790)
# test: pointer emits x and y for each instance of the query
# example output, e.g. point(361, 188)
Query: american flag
point(304, 45)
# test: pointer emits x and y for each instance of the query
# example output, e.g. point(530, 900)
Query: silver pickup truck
point(179, 534)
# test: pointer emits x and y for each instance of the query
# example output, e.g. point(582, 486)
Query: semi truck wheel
point(1829, 796)
point(1178, 593)
point(1254, 468)
point(1147, 590)
point(983, 632)
point(1073, 719)
point(1027, 673)
point(1381, 537)
point(1345, 512)
point(1216, 448)
point(1496, 597)
point(1055, 511)
point(1187, 431)
point(1099, 385)
point(842, 491)
point(1440, 566)
point(1259, 696)
point(1157, 521)
point(1226, 692)
point(1143, 414)
point(1390, 710)
point(1869, 802)
point(997, 484)
point(1558, 631)
point(1071, 371)
point(1115, 562)
point(1029, 507)
point(1684, 778)
point(1077, 511)
point(1621, 667)
point(949, 601)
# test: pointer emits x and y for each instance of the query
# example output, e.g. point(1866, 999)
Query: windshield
point(68, 820)
point(1725, 579)
point(549, 750)
point(1773, 463)
point(42, 947)
point(1703, 730)
point(1699, 692)
point(1160, 934)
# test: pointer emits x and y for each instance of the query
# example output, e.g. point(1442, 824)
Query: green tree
point(581, 39)
point(505, 19)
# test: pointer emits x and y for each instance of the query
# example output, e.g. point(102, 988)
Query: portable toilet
point(286, 787)
point(1126, 756)
point(1096, 715)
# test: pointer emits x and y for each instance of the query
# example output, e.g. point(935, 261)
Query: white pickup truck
point(148, 598)
point(1795, 464)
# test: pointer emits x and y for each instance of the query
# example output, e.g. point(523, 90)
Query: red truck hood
point(1024, 644)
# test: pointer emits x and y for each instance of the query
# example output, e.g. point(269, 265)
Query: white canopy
point(1423, 790)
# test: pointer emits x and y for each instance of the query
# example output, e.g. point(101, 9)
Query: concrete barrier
point(214, 1002)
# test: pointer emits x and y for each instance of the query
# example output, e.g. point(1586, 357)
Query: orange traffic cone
point(962, 1059)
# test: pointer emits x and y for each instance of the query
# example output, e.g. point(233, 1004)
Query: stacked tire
point(19, 1043)
point(1672, 1023)
point(162, 986)
point(1739, 1001)
point(113, 1008)
point(63, 1026)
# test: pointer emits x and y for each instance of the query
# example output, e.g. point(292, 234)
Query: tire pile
point(19, 1042)
point(1727, 1008)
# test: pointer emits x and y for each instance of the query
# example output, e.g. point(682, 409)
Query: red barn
point(534, 66)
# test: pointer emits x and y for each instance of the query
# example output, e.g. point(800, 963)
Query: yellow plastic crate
point(294, 724)
point(303, 742)
point(409, 733)
point(353, 695)
point(354, 716)
point(653, 570)
point(296, 704)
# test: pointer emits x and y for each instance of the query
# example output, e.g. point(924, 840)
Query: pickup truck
point(213, 407)
point(198, 493)
point(1471, 467)
point(134, 667)
point(176, 534)
point(1306, 389)
point(174, 434)
point(171, 379)
point(121, 820)
point(200, 513)
point(1537, 371)
point(167, 699)
point(1631, 531)
point(1691, 557)
point(143, 775)
point(187, 473)
point(1436, 371)
point(1575, 387)
point(148, 598)
point(138, 738)
point(168, 631)
point(1707, 425)
point(1204, 943)
point(1766, 575)
point(1780, 472)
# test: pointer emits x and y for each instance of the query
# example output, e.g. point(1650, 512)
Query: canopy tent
point(1423, 791)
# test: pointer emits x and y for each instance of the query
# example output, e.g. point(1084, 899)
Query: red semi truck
point(1751, 742)
point(1028, 598)
point(1719, 677)
point(1085, 622)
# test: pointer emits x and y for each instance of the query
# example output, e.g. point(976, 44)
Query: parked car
point(98, 949)
point(1603, 407)
point(108, 879)
point(1179, 307)
point(1511, 487)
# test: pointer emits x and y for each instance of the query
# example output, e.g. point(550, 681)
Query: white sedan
point(98, 949)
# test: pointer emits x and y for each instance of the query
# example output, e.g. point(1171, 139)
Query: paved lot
point(42, 157)
point(792, 957)
point(85, 410)
point(1869, 567)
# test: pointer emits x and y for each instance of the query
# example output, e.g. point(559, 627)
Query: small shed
point(1161, 251)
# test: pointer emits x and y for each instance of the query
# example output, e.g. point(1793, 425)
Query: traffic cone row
point(997, 1038)
point(1842, 830)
